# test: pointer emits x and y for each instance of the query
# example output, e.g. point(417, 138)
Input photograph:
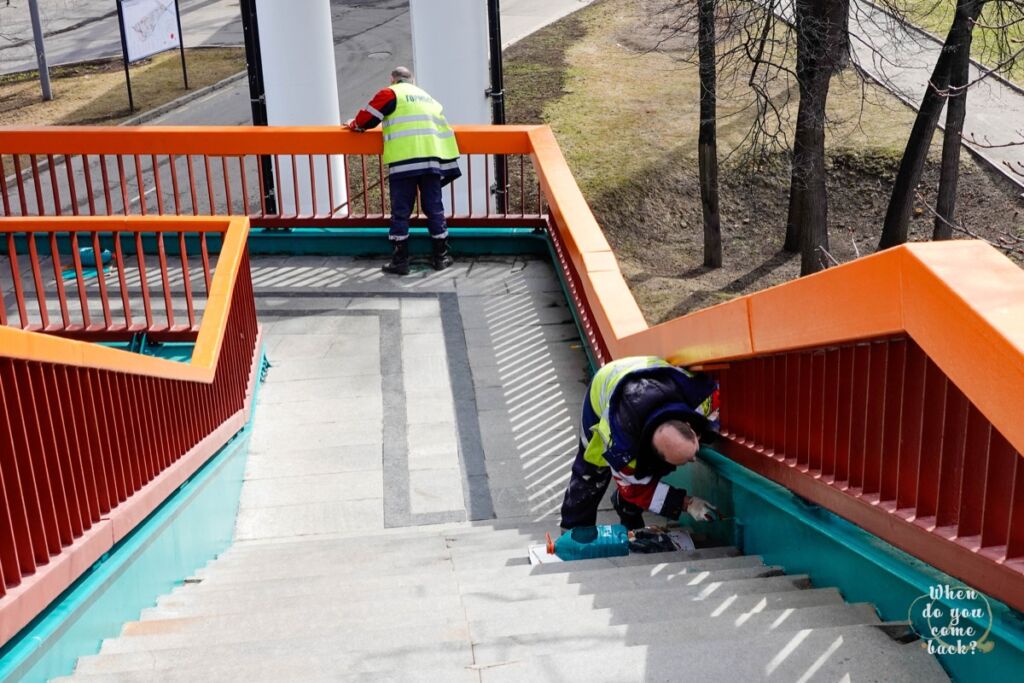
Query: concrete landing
point(390, 402)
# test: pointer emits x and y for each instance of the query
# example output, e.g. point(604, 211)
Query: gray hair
point(401, 74)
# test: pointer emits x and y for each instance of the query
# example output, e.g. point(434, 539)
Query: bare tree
point(961, 33)
point(822, 50)
point(707, 142)
point(950, 81)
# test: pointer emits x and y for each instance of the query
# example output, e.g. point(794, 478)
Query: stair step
point(373, 580)
point(593, 580)
point(192, 632)
point(755, 621)
point(315, 658)
point(526, 616)
point(217, 598)
point(184, 604)
point(833, 653)
point(272, 672)
point(626, 595)
point(461, 532)
point(441, 573)
point(752, 626)
point(328, 614)
point(636, 560)
point(511, 563)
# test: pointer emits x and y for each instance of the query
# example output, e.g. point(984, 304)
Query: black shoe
point(440, 258)
point(399, 264)
point(630, 516)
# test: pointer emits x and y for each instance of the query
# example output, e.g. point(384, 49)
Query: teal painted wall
point(763, 518)
point(187, 531)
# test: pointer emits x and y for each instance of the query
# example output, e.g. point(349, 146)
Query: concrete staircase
point(461, 603)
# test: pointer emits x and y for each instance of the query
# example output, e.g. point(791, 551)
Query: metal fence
point(89, 433)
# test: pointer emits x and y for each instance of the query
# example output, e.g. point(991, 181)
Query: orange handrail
point(45, 348)
point(94, 438)
point(961, 304)
point(962, 301)
point(240, 140)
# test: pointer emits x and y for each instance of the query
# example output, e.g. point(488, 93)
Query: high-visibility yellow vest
point(417, 129)
point(601, 389)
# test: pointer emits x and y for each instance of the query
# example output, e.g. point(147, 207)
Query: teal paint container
point(590, 542)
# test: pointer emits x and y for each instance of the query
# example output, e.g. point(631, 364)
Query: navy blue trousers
point(403, 201)
point(588, 482)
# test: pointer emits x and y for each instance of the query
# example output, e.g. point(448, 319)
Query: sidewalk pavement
point(902, 62)
point(87, 29)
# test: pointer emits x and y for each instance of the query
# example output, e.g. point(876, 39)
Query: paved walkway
point(441, 397)
point(903, 60)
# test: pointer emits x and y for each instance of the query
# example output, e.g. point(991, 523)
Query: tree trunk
point(796, 190)
point(811, 196)
point(822, 50)
point(897, 216)
point(707, 144)
point(956, 110)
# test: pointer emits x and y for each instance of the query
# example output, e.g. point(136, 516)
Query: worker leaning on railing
point(642, 418)
point(422, 154)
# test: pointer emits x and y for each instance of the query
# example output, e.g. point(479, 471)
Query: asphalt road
point(79, 30)
point(370, 37)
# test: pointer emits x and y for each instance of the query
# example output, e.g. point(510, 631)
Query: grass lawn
point(935, 16)
point(95, 92)
point(626, 116)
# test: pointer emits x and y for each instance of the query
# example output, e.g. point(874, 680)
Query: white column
point(449, 46)
point(297, 48)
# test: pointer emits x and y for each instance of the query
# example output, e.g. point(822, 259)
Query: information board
point(150, 26)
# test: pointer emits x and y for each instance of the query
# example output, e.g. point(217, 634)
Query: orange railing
point(944, 320)
point(888, 390)
point(264, 173)
point(94, 437)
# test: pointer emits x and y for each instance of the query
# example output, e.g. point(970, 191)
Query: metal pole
point(181, 44)
point(497, 93)
point(124, 52)
point(37, 34)
point(257, 94)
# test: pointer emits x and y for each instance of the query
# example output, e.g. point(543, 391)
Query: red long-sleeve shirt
point(370, 116)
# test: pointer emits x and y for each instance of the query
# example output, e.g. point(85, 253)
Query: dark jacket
point(645, 399)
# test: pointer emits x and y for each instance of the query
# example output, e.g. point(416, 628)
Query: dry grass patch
point(626, 118)
point(95, 92)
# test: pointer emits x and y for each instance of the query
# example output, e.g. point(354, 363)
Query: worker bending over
point(642, 418)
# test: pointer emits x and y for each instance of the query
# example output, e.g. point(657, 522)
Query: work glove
point(701, 510)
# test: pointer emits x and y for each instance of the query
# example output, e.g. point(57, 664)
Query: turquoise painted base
point(373, 242)
point(763, 518)
point(188, 530)
point(299, 241)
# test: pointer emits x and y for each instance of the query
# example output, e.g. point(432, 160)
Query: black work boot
point(439, 256)
point(399, 264)
point(399, 258)
point(630, 516)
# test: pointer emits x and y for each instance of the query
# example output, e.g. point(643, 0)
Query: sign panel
point(150, 26)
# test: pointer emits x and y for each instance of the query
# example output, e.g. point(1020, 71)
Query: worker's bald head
point(401, 74)
point(676, 442)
